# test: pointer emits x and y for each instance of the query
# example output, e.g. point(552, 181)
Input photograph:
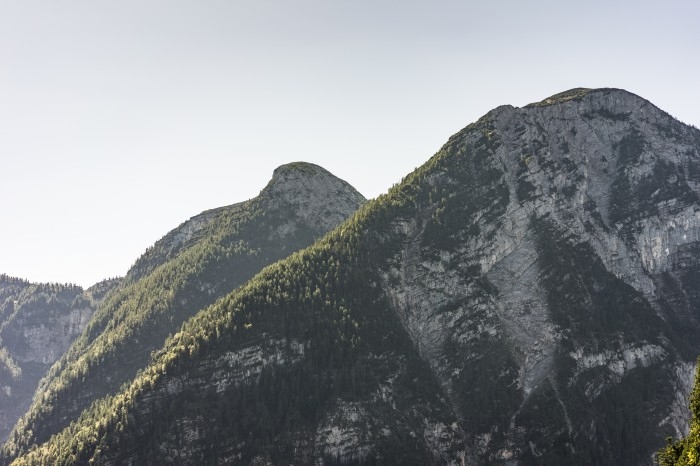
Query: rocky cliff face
point(289, 189)
point(39, 322)
point(187, 270)
point(529, 296)
point(590, 252)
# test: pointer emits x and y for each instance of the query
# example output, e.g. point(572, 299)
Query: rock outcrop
point(38, 324)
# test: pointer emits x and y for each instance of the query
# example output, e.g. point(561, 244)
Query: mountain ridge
point(189, 268)
point(527, 296)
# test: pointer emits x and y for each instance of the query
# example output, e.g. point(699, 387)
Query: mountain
point(38, 322)
point(188, 269)
point(528, 296)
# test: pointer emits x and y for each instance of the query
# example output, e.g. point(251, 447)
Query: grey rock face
point(293, 186)
point(47, 341)
point(611, 175)
point(39, 323)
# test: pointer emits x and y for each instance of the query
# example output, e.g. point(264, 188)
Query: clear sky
point(121, 119)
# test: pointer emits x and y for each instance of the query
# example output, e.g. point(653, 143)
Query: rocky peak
point(298, 193)
point(301, 168)
point(613, 104)
point(307, 187)
point(581, 94)
point(572, 94)
point(302, 177)
point(606, 179)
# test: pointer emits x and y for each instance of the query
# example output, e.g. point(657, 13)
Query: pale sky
point(121, 119)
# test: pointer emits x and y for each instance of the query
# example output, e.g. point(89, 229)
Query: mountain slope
point(186, 270)
point(38, 322)
point(264, 366)
point(528, 296)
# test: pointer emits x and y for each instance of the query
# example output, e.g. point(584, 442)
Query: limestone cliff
point(587, 237)
point(37, 325)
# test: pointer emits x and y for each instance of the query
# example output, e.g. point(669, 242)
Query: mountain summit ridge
point(295, 175)
point(301, 186)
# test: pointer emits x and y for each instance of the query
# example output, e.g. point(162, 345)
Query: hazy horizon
point(122, 120)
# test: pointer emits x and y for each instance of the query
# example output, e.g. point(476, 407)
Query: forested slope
point(201, 260)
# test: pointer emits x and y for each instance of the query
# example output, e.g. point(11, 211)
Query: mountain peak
point(293, 179)
point(297, 174)
point(300, 168)
point(578, 93)
point(308, 187)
